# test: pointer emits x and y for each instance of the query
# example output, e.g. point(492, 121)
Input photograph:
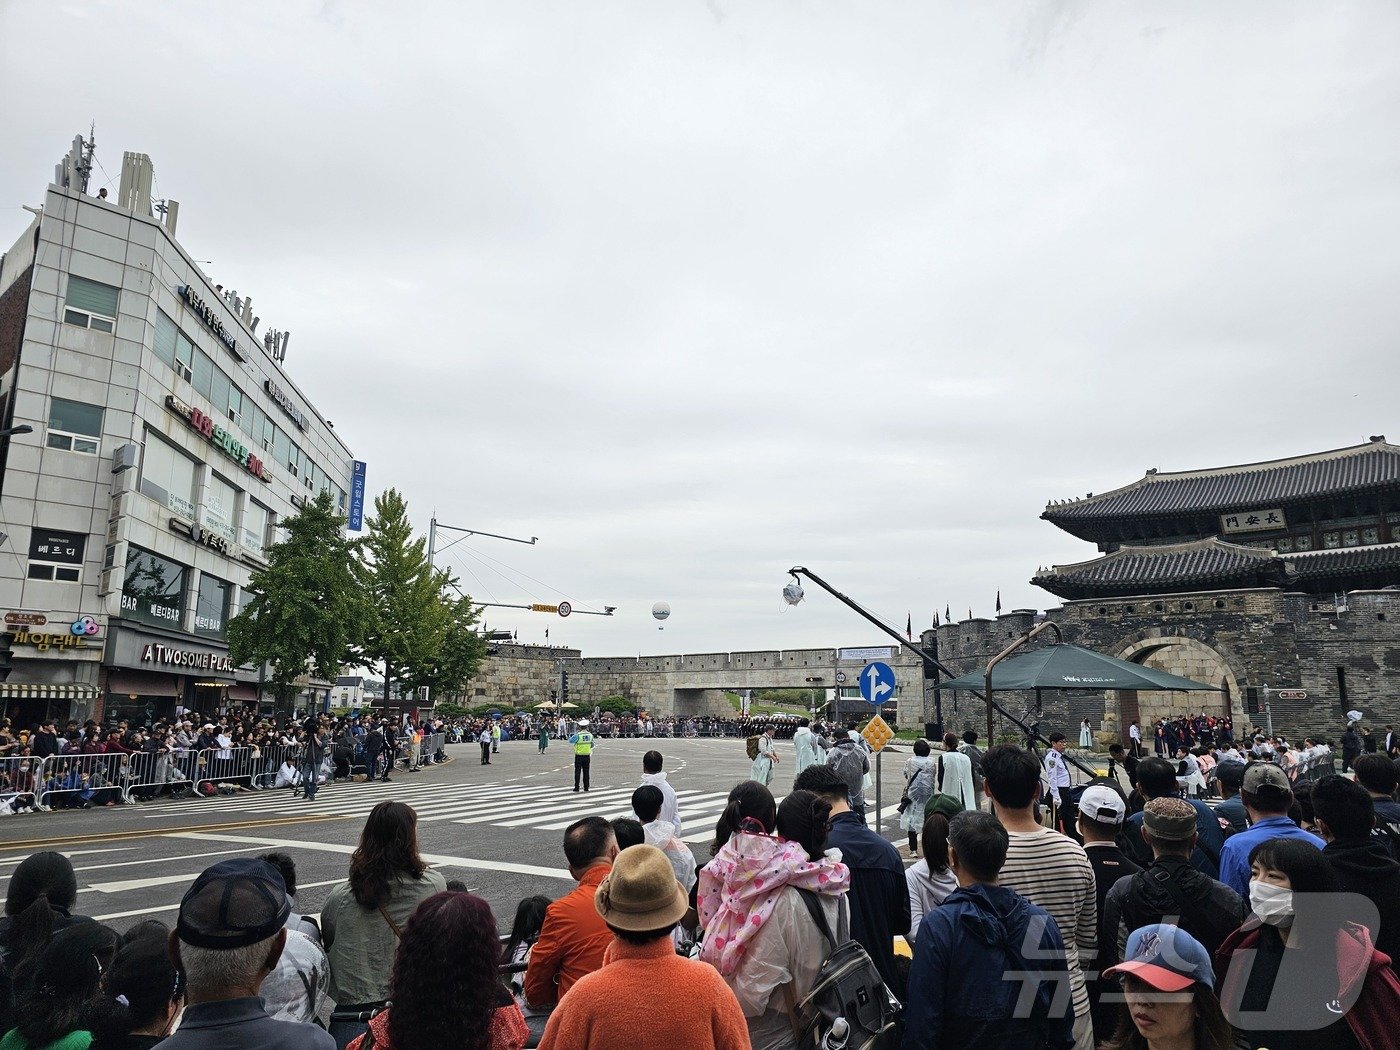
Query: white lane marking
point(438, 859)
point(176, 906)
point(70, 853)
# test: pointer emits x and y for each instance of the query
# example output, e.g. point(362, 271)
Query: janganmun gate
point(1277, 581)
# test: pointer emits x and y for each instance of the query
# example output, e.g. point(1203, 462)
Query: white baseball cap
point(1100, 802)
point(583, 721)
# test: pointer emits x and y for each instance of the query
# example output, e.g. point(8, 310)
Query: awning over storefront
point(124, 683)
point(240, 691)
point(39, 691)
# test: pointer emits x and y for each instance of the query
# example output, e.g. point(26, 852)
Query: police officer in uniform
point(1057, 773)
point(583, 753)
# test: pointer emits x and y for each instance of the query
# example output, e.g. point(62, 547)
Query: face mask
point(1273, 904)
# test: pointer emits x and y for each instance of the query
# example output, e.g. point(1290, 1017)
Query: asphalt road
point(497, 828)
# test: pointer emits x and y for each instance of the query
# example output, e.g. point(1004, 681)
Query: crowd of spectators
point(1149, 921)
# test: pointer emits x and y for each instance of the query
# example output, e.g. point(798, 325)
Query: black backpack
point(847, 986)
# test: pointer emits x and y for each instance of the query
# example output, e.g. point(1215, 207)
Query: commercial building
point(166, 442)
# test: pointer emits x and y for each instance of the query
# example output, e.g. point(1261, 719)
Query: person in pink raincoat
point(759, 933)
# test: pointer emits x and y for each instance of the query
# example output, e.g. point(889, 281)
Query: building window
point(56, 573)
point(255, 521)
point(184, 356)
point(154, 588)
point(211, 610)
point(220, 508)
point(168, 477)
point(203, 373)
point(90, 304)
point(74, 426)
point(163, 345)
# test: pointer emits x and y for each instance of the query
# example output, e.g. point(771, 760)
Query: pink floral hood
point(739, 890)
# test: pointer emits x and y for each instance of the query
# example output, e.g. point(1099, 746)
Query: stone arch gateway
point(1184, 656)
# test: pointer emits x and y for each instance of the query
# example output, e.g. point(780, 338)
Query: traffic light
point(563, 687)
point(7, 655)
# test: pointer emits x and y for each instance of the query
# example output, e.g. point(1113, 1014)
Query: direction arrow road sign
point(877, 683)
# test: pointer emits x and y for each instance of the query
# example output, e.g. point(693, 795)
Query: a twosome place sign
point(209, 316)
point(220, 438)
point(285, 403)
point(155, 653)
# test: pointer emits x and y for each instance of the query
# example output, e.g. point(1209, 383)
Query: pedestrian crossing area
point(533, 804)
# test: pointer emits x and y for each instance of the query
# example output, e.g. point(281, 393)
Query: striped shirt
point(1054, 872)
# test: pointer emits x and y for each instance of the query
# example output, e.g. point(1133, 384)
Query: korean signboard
point(357, 497)
point(50, 545)
point(1253, 521)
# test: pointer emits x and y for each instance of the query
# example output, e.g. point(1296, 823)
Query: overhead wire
point(532, 579)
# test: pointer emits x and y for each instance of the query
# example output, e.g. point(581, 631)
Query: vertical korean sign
point(357, 497)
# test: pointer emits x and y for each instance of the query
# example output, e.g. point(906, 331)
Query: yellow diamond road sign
point(877, 733)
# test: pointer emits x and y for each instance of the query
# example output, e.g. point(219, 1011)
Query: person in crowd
point(930, 880)
point(56, 985)
point(543, 736)
point(1168, 995)
point(759, 931)
point(1048, 869)
point(959, 994)
point(646, 803)
point(39, 900)
point(363, 917)
point(287, 867)
point(1102, 811)
point(1170, 889)
point(484, 739)
point(645, 994)
point(767, 758)
point(229, 935)
point(141, 993)
point(955, 773)
point(1267, 797)
point(574, 937)
point(524, 931)
point(583, 743)
point(848, 760)
point(1230, 813)
point(920, 785)
point(809, 747)
point(1086, 735)
point(969, 748)
point(313, 754)
point(446, 993)
point(748, 800)
point(1351, 746)
point(1378, 776)
point(627, 831)
point(1057, 777)
point(1157, 779)
point(1298, 973)
point(879, 896)
point(1362, 861)
point(655, 776)
point(376, 751)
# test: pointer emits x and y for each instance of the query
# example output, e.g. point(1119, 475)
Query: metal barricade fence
point(270, 760)
point(78, 780)
point(19, 782)
point(229, 765)
point(149, 775)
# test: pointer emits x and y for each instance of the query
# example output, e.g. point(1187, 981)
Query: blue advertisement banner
point(357, 497)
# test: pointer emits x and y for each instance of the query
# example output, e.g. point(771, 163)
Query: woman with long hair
point(446, 991)
point(748, 800)
point(364, 916)
point(930, 880)
point(141, 993)
point(38, 903)
point(1300, 972)
point(1168, 998)
point(529, 920)
point(759, 902)
point(55, 986)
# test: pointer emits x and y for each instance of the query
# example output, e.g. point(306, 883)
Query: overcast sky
point(698, 291)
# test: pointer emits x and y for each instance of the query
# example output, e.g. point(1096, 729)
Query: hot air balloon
point(661, 610)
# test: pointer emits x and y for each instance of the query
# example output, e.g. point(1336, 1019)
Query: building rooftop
point(1358, 468)
point(1197, 565)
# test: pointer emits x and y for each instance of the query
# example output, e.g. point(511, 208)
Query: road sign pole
point(878, 755)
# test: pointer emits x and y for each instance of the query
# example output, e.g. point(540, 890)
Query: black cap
point(233, 904)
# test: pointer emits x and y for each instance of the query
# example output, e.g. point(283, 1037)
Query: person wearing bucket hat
point(619, 1006)
point(227, 939)
point(1267, 796)
point(1168, 998)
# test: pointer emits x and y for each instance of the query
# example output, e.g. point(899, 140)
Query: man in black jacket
point(1170, 889)
point(374, 747)
point(1363, 862)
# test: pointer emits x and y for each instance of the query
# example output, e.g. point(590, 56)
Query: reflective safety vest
point(583, 744)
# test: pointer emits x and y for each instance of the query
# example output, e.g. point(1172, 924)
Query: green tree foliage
point(403, 593)
point(458, 649)
point(307, 610)
point(618, 705)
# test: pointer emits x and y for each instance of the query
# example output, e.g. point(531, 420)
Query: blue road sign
point(877, 683)
point(356, 520)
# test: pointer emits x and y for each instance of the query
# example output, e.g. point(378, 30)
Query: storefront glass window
point(168, 477)
point(211, 609)
point(254, 526)
point(220, 506)
point(154, 588)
